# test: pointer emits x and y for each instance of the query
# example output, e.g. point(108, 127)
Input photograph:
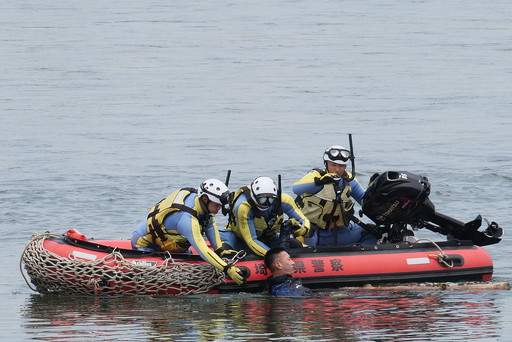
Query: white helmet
point(215, 190)
point(263, 191)
point(337, 154)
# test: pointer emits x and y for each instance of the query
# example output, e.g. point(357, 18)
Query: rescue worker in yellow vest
point(256, 216)
point(179, 221)
point(324, 196)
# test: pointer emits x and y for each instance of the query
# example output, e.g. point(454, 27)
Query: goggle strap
point(224, 195)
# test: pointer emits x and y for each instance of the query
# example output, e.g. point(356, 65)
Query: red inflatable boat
point(61, 263)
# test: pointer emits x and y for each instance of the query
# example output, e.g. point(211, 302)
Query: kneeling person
point(256, 215)
point(179, 221)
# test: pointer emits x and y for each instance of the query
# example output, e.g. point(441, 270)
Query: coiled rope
point(441, 256)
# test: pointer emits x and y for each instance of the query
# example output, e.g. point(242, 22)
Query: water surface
point(109, 106)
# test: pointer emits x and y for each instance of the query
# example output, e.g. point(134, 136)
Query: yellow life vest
point(170, 239)
point(265, 228)
point(324, 209)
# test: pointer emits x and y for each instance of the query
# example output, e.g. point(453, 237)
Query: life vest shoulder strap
point(247, 192)
point(299, 199)
point(156, 227)
point(322, 172)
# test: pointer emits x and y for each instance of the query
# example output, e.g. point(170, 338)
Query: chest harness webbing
point(272, 225)
point(341, 200)
point(157, 215)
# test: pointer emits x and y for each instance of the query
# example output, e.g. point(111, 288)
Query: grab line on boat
point(441, 256)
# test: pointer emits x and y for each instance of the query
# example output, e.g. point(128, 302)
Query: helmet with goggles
point(264, 192)
point(337, 154)
point(215, 190)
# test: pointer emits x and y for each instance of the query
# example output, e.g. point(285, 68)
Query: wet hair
point(271, 256)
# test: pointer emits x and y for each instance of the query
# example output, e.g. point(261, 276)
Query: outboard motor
point(395, 196)
point(395, 199)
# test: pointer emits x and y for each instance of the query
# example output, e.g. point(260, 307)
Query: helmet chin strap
point(205, 205)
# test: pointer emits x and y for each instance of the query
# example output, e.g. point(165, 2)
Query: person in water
point(325, 197)
point(282, 282)
point(256, 216)
point(179, 221)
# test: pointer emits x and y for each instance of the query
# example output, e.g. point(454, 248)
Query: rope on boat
point(441, 256)
point(112, 274)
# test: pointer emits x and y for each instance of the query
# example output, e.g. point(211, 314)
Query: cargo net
point(113, 274)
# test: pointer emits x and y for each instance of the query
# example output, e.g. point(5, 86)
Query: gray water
point(108, 106)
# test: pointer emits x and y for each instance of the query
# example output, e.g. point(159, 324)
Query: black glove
point(329, 178)
point(284, 235)
point(225, 251)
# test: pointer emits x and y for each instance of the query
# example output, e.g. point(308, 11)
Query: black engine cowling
point(394, 196)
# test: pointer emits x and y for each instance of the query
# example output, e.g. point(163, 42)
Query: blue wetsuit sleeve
point(189, 227)
point(292, 211)
point(357, 191)
point(212, 234)
point(307, 184)
point(247, 229)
